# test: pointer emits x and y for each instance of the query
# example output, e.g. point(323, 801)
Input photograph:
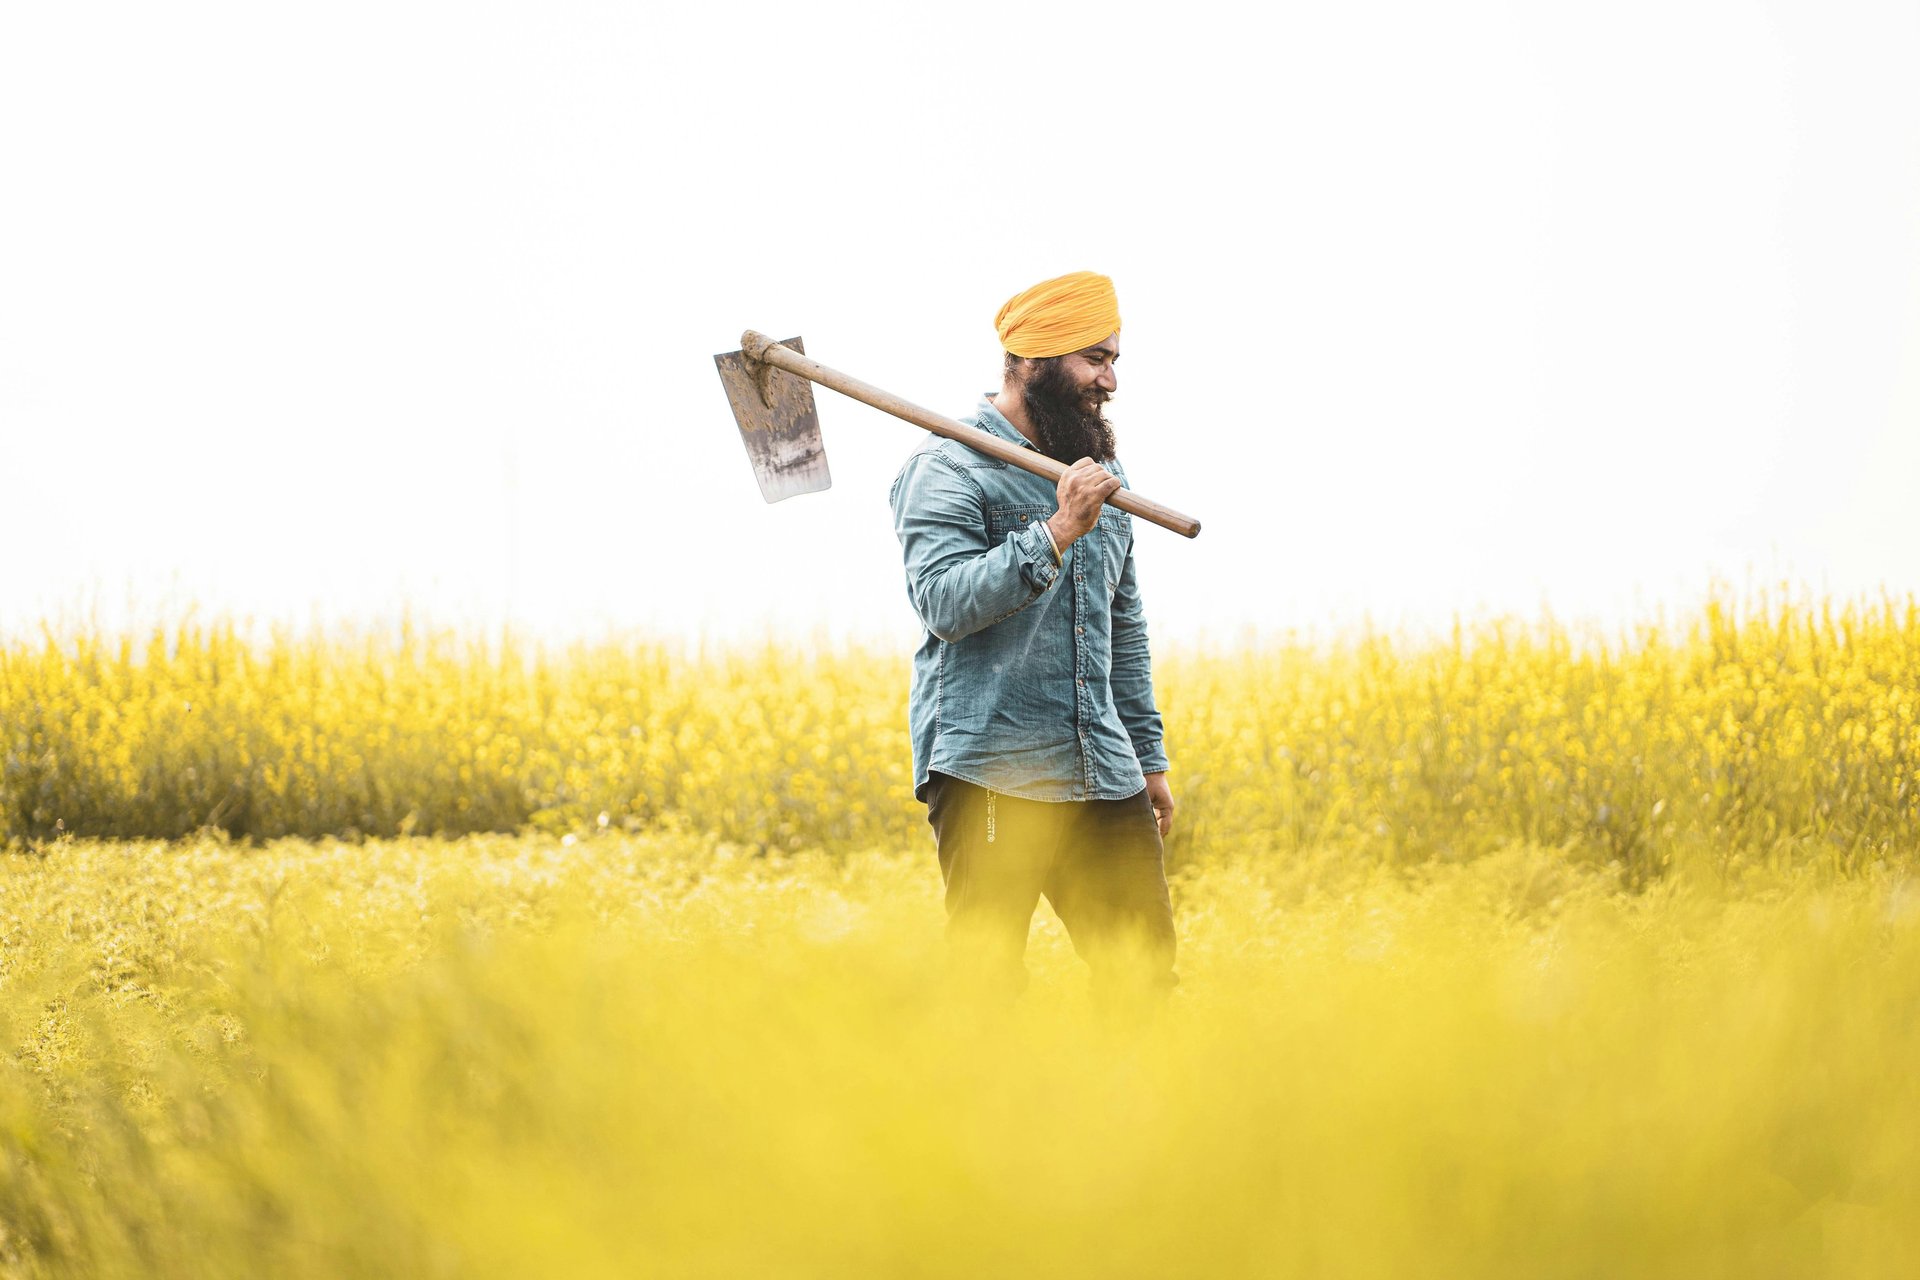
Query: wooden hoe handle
point(761, 347)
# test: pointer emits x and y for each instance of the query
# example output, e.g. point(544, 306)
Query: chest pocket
point(1005, 521)
point(1116, 539)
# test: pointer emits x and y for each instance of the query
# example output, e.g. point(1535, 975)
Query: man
point(1036, 743)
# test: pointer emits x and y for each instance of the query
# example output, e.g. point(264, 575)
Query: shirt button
point(1079, 680)
point(1023, 519)
point(1079, 631)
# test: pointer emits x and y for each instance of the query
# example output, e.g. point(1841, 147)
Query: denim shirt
point(1033, 679)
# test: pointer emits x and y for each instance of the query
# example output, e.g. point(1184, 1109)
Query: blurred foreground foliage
point(640, 1055)
point(1774, 731)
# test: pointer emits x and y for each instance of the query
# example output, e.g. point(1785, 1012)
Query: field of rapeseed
point(1784, 731)
point(630, 1055)
point(1520, 953)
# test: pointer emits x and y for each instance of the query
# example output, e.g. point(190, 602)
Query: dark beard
point(1067, 427)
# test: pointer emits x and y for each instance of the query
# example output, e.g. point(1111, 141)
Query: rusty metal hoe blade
point(778, 423)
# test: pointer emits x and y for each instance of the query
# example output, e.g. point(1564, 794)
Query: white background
point(318, 312)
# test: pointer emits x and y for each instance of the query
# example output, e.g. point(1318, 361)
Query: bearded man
point(1036, 743)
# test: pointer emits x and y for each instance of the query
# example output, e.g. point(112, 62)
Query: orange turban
point(1060, 315)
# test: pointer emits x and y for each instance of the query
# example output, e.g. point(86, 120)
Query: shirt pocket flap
point(1008, 519)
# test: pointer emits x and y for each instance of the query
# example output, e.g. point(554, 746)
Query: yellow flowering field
point(1521, 952)
point(661, 1055)
point(1766, 732)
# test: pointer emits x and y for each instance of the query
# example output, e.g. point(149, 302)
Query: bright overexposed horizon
point(324, 313)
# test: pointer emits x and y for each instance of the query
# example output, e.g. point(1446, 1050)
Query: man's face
point(1093, 372)
point(1066, 401)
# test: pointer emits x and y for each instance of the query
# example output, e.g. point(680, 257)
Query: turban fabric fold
point(1059, 315)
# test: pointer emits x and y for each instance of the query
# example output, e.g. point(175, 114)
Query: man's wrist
point(1060, 540)
point(1053, 544)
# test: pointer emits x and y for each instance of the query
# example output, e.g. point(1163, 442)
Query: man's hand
point(1083, 488)
point(1160, 796)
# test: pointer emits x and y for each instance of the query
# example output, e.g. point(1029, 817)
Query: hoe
point(768, 385)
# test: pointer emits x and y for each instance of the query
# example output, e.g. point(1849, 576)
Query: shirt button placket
point(1082, 711)
point(1080, 677)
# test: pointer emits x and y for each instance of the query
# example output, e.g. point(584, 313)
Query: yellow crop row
point(1778, 731)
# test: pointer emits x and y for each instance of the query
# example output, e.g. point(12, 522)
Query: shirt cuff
point(1042, 562)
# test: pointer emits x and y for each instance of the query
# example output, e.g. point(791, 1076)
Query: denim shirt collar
point(991, 419)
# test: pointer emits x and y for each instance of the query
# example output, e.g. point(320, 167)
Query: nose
point(1108, 381)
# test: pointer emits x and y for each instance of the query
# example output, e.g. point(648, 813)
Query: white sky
point(309, 311)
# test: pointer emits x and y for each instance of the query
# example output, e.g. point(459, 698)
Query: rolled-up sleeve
point(958, 581)
point(1132, 676)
